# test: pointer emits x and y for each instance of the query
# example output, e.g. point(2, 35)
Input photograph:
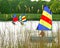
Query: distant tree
point(9, 6)
point(55, 7)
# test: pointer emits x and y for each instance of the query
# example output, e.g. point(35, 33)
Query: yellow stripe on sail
point(47, 14)
point(45, 24)
point(23, 16)
point(23, 19)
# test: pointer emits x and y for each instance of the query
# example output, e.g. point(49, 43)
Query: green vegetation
point(22, 6)
point(8, 17)
point(33, 10)
point(55, 7)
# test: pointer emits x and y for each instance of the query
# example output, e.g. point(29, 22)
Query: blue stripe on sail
point(14, 15)
point(47, 9)
point(24, 20)
point(41, 27)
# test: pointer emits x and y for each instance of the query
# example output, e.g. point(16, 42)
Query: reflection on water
point(13, 34)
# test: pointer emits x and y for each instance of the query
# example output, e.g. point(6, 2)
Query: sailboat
point(45, 22)
point(22, 19)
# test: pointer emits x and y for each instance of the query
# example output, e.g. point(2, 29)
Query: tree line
point(26, 6)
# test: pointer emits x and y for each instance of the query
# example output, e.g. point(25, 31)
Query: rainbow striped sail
point(45, 20)
point(22, 18)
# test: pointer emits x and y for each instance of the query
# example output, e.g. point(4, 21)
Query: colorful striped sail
point(22, 18)
point(45, 22)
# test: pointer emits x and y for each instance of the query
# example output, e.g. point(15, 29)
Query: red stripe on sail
point(23, 18)
point(46, 19)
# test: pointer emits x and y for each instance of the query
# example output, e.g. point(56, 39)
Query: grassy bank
point(8, 17)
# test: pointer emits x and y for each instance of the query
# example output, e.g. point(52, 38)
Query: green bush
point(22, 6)
point(55, 7)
